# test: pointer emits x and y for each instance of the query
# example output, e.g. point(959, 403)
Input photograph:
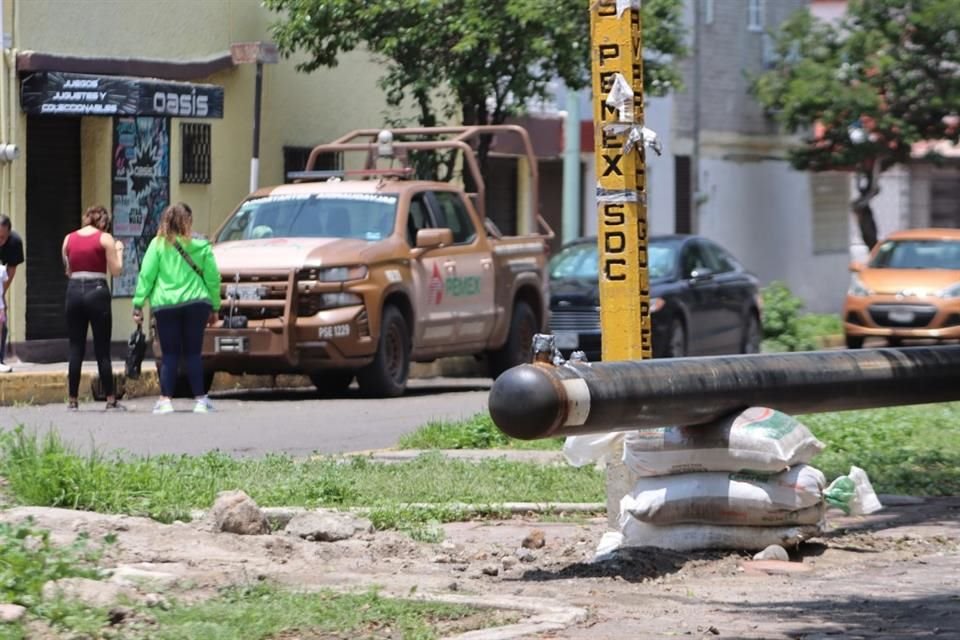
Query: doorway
point(53, 210)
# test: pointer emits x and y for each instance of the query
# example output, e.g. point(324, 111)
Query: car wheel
point(751, 335)
point(677, 346)
point(518, 349)
point(331, 383)
point(854, 342)
point(386, 376)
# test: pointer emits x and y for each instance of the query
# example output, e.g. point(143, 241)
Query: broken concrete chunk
point(11, 613)
point(534, 540)
point(327, 527)
point(236, 512)
point(773, 552)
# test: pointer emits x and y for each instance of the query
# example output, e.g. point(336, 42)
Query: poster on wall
point(140, 190)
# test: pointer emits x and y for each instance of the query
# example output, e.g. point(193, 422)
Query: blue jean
point(180, 330)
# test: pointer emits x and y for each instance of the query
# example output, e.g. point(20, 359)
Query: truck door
point(470, 288)
point(436, 311)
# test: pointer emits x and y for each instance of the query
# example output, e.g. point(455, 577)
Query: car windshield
point(316, 215)
point(579, 261)
point(917, 254)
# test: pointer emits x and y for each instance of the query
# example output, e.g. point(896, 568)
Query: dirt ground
point(894, 574)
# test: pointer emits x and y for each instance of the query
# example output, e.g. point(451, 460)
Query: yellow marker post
point(617, 63)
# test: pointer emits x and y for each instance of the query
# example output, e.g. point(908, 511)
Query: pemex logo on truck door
point(436, 285)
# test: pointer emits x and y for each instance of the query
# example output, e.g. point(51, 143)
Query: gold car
point(908, 289)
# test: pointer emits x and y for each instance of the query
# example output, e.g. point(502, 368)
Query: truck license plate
point(230, 344)
point(902, 317)
point(566, 340)
point(244, 291)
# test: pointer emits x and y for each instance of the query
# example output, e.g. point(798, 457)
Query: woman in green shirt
point(179, 277)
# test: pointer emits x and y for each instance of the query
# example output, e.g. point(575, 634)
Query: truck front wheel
point(518, 349)
point(386, 376)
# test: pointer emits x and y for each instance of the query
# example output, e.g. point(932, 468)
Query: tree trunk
point(868, 226)
point(868, 184)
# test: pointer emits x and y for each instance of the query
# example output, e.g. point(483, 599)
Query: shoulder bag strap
point(186, 256)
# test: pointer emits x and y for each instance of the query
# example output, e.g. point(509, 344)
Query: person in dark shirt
point(11, 256)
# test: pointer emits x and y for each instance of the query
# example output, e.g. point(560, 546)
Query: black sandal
point(73, 405)
point(115, 406)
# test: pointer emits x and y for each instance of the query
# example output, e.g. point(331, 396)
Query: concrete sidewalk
point(34, 383)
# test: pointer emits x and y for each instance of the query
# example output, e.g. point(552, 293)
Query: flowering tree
point(863, 91)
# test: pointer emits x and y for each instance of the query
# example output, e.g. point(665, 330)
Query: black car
point(702, 300)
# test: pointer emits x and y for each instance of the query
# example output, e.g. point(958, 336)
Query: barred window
point(195, 143)
point(295, 159)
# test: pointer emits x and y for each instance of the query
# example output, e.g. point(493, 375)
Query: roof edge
point(143, 67)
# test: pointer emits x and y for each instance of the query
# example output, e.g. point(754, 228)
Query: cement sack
point(598, 449)
point(757, 439)
point(692, 537)
point(791, 497)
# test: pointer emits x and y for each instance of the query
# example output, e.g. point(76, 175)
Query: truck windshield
point(364, 216)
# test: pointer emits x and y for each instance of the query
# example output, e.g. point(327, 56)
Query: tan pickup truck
point(356, 274)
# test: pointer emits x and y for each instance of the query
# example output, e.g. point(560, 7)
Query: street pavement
point(253, 423)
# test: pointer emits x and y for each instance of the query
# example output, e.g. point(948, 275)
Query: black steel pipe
point(544, 401)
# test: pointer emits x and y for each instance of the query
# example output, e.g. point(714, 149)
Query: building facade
point(136, 105)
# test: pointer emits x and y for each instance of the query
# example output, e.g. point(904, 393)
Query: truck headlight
point(953, 291)
point(333, 300)
point(342, 274)
point(334, 274)
point(857, 288)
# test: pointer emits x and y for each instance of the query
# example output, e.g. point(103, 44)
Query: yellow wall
point(297, 109)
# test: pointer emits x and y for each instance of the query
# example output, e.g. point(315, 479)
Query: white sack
point(792, 497)
point(690, 537)
point(756, 439)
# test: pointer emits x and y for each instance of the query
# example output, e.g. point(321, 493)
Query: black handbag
point(136, 349)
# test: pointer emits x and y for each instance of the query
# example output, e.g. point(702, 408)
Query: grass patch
point(42, 470)
point(476, 432)
point(263, 611)
point(29, 559)
point(912, 450)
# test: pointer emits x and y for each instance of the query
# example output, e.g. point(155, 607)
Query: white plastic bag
point(598, 449)
point(853, 494)
point(756, 439)
point(792, 497)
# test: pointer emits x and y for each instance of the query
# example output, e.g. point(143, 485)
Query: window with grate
point(295, 159)
point(755, 15)
point(195, 143)
point(831, 211)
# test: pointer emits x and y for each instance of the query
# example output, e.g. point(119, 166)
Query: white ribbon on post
point(623, 5)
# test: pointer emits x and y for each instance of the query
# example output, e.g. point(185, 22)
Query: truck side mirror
point(433, 238)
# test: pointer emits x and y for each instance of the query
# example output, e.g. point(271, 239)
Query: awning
point(57, 93)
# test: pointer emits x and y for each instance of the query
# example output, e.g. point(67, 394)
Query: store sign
point(55, 93)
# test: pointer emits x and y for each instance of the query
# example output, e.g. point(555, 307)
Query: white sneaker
point(163, 406)
point(203, 405)
point(5, 368)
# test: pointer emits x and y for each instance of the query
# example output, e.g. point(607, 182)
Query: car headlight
point(953, 291)
point(332, 300)
point(857, 288)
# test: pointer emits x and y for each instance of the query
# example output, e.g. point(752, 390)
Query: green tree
point(865, 89)
point(478, 61)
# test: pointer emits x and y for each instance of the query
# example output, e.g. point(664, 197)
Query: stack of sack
point(743, 482)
